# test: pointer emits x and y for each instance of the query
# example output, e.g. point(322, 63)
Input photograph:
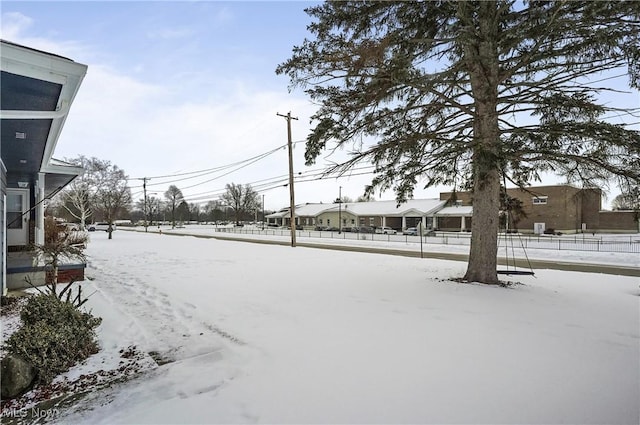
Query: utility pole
point(263, 218)
point(292, 203)
point(146, 206)
point(339, 209)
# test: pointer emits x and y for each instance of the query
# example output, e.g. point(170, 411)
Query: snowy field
point(269, 334)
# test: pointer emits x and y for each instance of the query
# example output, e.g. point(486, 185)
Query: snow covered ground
point(258, 333)
point(572, 250)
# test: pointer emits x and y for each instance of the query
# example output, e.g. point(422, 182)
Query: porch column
point(384, 220)
point(3, 235)
point(39, 192)
point(463, 224)
point(404, 222)
point(435, 221)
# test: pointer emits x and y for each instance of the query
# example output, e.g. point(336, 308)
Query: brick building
point(562, 208)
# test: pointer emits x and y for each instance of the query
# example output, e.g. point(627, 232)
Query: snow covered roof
point(458, 211)
point(416, 207)
point(413, 207)
point(279, 214)
point(303, 210)
point(311, 210)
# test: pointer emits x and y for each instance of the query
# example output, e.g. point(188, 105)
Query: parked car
point(331, 229)
point(365, 229)
point(384, 230)
point(411, 231)
point(320, 228)
point(101, 227)
point(73, 227)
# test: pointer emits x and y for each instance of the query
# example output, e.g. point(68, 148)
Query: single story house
point(36, 93)
point(357, 214)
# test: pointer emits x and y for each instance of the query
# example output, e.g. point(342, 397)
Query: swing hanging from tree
point(511, 267)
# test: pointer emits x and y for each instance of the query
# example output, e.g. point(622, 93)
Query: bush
point(54, 336)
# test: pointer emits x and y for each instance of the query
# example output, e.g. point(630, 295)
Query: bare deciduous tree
point(113, 195)
point(629, 199)
point(241, 199)
point(194, 212)
point(213, 211)
point(77, 197)
point(174, 198)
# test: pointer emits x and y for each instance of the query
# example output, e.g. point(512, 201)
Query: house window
point(353, 221)
point(328, 222)
point(539, 200)
point(320, 220)
point(371, 221)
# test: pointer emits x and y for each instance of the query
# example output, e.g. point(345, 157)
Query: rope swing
point(511, 267)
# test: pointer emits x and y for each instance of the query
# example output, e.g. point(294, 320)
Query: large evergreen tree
point(471, 93)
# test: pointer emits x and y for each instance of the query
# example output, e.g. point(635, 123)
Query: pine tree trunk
point(480, 53)
point(483, 253)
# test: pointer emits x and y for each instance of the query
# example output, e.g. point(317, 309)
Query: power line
point(214, 195)
point(608, 78)
point(212, 170)
point(276, 181)
point(266, 184)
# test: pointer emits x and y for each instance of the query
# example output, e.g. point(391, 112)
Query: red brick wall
point(465, 197)
point(452, 224)
point(566, 207)
point(66, 276)
point(618, 221)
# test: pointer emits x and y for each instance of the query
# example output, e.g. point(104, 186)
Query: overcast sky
point(178, 87)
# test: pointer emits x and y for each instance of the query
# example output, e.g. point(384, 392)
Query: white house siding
point(331, 218)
